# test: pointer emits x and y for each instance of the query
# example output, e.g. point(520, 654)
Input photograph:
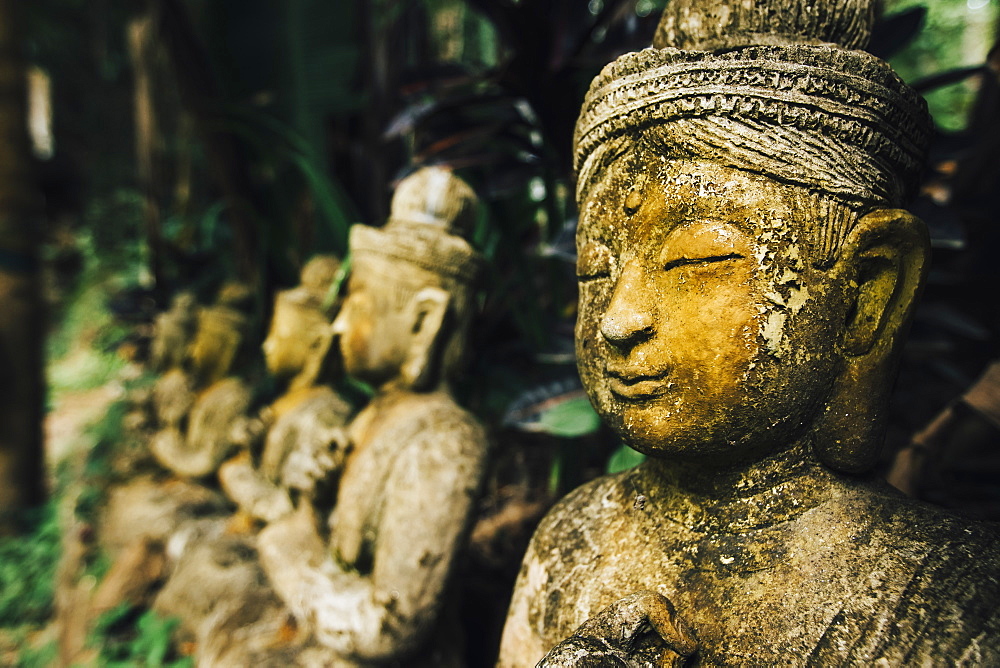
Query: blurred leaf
point(570, 418)
point(27, 570)
point(436, 77)
point(624, 458)
point(947, 78)
point(893, 33)
point(271, 135)
point(338, 282)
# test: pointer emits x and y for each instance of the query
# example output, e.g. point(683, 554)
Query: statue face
point(703, 331)
point(282, 356)
point(372, 333)
point(295, 337)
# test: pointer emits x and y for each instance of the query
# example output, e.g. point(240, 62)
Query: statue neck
point(736, 499)
point(403, 385)
point(304, 380)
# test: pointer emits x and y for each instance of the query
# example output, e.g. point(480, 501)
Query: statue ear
point(882, 266)
point(883, 260)
point(429, 308)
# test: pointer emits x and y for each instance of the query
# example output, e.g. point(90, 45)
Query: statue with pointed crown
point(301, 430)
point(198, 403)
point(747, 273)
point(376, 592)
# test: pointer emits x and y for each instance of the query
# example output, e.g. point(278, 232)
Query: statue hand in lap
point(638, 630)
point(293, 435)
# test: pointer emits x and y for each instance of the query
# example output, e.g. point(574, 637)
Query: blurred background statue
point(197, 405)
point(376, 591)
point(298, 429)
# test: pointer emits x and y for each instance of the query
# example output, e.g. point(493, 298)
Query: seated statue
point(299, 427)
point(746, 277)
point(197, 405)
point(376, 592)
point(173, 331)
point(216, 586)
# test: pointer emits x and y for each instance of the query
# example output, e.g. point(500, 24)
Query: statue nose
point(629, 318)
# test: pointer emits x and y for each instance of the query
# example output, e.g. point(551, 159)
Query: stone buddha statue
point(299, 428)
point(376, 591)
point(746, 274)
point(216, 586)
point(174, 329)
point(171, 397)
point(197, 405)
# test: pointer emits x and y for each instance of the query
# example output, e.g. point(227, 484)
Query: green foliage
point(624, 458)
point(38, 657)
point(106, 436)
point(957, 33)
point(86, 322)
point(279, 144)
point(27, 570)
point(571, 418)
point(113, 225)
point(125, 640)
point(82, 347)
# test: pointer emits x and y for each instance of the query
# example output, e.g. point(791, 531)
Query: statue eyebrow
point(683, 261)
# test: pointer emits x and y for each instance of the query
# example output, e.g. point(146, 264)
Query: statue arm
point(428, 506)
point(521, 643)
point(641, 629)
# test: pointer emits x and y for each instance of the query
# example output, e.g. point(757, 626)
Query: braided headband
point(832, 120)
point(424, 246)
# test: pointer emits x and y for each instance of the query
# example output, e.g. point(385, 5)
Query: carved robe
point(404, 509)
point(860, 576)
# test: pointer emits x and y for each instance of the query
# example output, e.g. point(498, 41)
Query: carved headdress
point(420, 250)
point(432, 210)
point(781, 94)
point(315, 280)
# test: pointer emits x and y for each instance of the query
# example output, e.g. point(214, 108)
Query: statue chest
point(388, 436)
point(765, 597)
point(354, 523)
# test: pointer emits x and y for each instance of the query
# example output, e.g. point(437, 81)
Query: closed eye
point(685, 261)
point(594, 275)
point(595, 261)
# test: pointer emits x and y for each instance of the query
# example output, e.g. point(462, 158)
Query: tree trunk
point(148, 143)
point(200, 97)
point(21, 330)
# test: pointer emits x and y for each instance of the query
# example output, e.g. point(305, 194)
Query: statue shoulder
point(574, 521)
point(571, 534)
point(920, 524)
point(933, 594)
point(436, 419)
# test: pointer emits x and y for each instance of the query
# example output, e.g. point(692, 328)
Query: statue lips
point(633, 385)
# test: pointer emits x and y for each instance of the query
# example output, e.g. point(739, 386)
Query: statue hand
point(638, 630)
point(310, 463)
point(247, 432)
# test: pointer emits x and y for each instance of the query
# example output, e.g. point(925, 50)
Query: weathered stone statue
point(746, 277)
point(303, 427)
point(377, 593)
point(174, 330)
point(216, 585)
point(198, 405)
